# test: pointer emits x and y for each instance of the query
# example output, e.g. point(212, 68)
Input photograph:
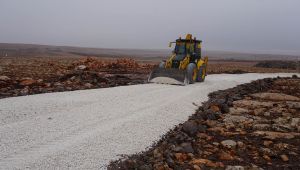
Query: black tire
point(162, 64)
point(200, 77)
point(191, 71)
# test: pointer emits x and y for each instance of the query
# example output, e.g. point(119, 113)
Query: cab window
point(180, 48)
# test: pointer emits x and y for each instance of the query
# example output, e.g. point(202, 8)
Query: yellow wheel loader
point(184, 66)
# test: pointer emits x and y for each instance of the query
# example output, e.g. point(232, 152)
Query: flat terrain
point(87, 129)
point(21, 76)
point(32, 50)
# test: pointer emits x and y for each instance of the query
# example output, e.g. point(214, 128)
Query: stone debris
point(229, 143)
point(293, 105)
point(284, 158)
point(237, 111)
point(86, 73)
point(246, 127)
point(4, 78)
point(81, 67)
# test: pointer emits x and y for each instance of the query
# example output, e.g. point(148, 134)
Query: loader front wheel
point(192, 73)
point(201, 74)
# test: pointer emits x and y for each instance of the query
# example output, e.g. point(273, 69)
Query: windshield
point(179, 57)
point(180, 48)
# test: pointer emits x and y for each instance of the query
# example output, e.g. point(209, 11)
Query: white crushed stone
point(86, 129)
point(165, 80)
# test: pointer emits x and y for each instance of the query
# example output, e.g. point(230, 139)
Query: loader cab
point(180, 48)
point(187, 46)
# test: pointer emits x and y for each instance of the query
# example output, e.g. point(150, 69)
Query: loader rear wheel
point(192, 73)
point(201, 74)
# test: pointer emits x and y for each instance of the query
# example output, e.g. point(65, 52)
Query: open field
point(26, 75)
point(32, 75)
point(88, 129)
point(31, 50)
point(149, 85)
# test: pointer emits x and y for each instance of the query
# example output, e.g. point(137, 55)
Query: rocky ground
point(294, 65)
point(251, 126)
point(238, 67)
point(21, 76)
point(45, 76)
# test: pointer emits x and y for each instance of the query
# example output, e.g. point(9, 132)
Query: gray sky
point(234, 25)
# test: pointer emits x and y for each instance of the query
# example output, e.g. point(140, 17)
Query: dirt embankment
point(240, 66)
point(251, 126)
point(292, 65)
point(33, 75)
point(45, 76)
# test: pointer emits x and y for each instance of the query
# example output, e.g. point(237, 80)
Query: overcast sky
point(233, 25)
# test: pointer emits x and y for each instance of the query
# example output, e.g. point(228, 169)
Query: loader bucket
point(168, 76)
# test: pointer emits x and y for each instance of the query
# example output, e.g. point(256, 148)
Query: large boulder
point(293, 105)
point(233, 119)
point(276, 135)
point(237, 111)
point(4, 78)
point(252, 104)
point(229, 143)
point(27, 82)
point(81, 67)
point(190, 127)
point(275, 97)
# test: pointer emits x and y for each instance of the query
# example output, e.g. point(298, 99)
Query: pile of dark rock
point(292, 65)
point(251, 126)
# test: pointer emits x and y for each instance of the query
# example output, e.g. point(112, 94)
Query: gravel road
point(86, 129)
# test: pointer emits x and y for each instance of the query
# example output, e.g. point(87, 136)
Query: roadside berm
point(86, 73)
point(251, 126)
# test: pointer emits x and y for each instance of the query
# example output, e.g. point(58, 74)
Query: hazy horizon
point(257, 26)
